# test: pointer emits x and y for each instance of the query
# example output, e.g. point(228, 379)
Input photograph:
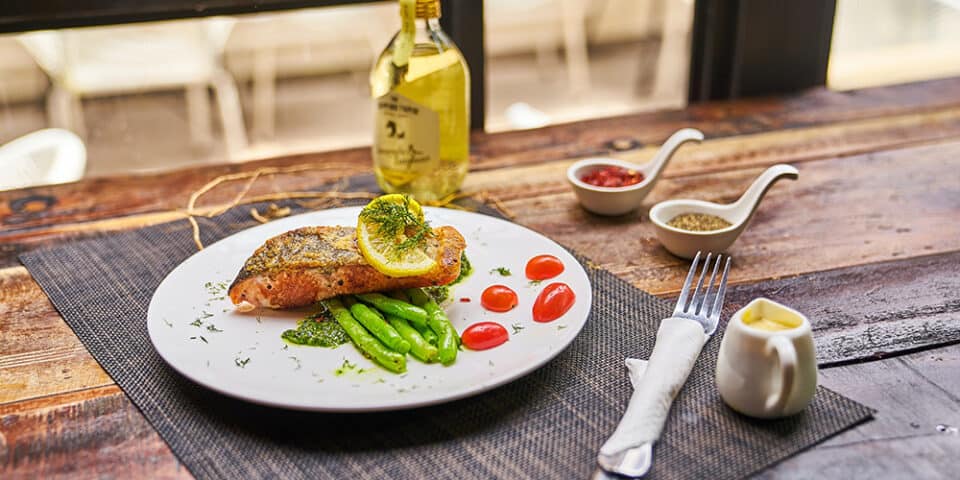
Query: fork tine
point(721, 291)
point(696, 291)
point(684, 292)
point(706, 294)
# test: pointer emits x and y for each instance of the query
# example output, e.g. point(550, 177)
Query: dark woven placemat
point(548, 424)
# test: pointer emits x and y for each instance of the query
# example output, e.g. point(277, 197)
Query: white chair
point(308, 42)
point(541, 26)
point(91, 62)
point(44, 157)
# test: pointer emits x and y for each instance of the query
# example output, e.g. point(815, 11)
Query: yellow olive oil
point(421, 90)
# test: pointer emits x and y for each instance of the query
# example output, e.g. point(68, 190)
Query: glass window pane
point(883, 42)
point(555, 61)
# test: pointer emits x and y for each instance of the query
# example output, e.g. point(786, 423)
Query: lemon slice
point(378, 243)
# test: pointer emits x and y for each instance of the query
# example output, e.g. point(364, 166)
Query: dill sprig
point(396, 221)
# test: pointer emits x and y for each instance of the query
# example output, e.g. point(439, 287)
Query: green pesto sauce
point(465, 268)
point(442, 292)
point(317, 331)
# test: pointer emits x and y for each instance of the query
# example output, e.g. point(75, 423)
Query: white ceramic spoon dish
point(686, 243)
point(620, 200)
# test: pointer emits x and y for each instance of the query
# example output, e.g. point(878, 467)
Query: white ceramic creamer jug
point(767, 367)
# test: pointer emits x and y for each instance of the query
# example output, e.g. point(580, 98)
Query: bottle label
point(406, 138)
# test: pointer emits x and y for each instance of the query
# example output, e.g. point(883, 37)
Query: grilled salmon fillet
point(302, 266)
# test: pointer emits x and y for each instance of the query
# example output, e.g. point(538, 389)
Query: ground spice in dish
point(698, 222)
point(613, 176)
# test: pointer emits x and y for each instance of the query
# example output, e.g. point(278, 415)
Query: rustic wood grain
point(93, 433)
point(39, 354)
point(841, 212)
point(873, 217)
point(823, 221)
point(914, 395)
point(754, 150)
point(525, 182)
point(119, 197)
point(123, 196)
point(870, 311)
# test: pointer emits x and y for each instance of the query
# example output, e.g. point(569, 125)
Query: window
point(882, 42)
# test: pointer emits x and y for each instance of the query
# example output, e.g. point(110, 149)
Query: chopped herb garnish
point(241, 363)
point(503, 271)
point(168, 322)
point(534, 283)
point(205, 315)
point(201, 338)
point(197, 322)
point(215, 288)
point(517, 327)
point(396, 221)
point(213, 328)
point(345, 367)
point(561, 327)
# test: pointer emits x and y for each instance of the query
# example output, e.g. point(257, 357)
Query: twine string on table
point(335, 194)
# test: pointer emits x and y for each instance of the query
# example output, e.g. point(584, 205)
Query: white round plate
point(195, 329)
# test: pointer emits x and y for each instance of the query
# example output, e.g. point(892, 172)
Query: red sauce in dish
point(555, 300)
point(543, 267)
point(613, 176)
point(484, 335)
point(498, 298)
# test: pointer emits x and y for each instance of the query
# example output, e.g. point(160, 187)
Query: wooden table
point(867, 242)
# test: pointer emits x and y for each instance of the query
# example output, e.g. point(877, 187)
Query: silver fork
point(680, 338)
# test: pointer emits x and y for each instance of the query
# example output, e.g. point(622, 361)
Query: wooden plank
point(93, 433)
point(52, 220)
point(821, 222)
point(913, 395)
point(103, 431)
point(870, 311)
point(123, 196)
point(39, 354)
point(137, 194)
point(827, 219)
point(745, 151)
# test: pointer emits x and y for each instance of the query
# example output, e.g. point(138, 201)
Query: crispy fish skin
point(302, 266)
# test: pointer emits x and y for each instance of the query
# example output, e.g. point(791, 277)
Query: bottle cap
point(428, 8)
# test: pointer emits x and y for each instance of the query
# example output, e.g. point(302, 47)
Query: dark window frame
point(744, 48)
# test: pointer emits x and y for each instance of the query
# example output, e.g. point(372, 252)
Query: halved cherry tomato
point(484, 335)
point(498, 298)
point(543, 267)
point(553, 302)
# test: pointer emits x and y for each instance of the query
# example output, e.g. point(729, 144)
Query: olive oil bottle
point(420, 85)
